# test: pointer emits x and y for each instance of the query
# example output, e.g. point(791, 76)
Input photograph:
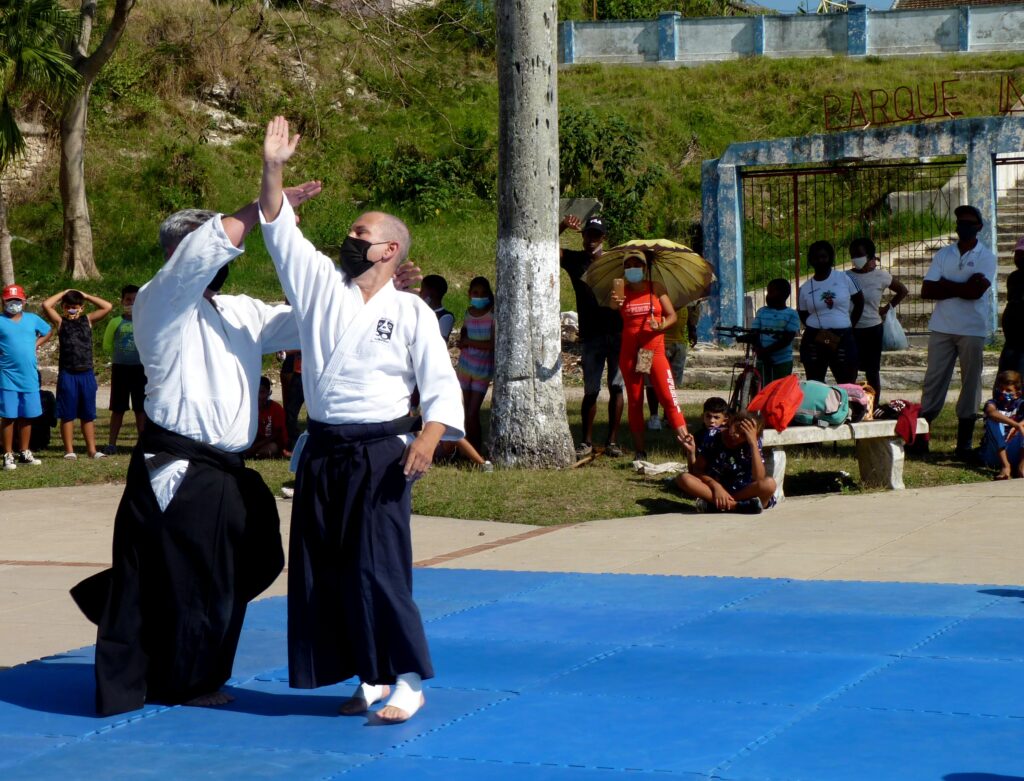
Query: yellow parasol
point(686, 275)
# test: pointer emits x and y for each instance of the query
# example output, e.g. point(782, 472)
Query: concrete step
point(707, 357)
point(905, 379)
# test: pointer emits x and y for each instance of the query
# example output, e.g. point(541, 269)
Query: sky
point(790, 6)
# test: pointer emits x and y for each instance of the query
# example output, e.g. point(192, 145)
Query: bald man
point(365, 348)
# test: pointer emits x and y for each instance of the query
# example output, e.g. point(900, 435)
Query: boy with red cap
point(21, 334)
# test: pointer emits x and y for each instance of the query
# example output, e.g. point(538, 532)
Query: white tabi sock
point(408, 694)
point(370, 692)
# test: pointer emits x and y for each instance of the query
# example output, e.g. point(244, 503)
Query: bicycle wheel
point(747, 386)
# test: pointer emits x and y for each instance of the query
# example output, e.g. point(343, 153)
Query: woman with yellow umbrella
point(647, 312)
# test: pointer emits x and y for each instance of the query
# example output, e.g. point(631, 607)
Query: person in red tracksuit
point(646, 313)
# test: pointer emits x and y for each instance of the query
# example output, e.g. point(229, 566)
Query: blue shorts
point(15, 404)
point(76, 396)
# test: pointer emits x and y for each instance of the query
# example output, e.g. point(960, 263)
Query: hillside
point(403, 116)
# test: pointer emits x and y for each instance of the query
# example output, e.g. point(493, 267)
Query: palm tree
point(32, 60)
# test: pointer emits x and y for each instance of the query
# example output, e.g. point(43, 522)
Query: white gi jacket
point(203, 363)
point(361, 361)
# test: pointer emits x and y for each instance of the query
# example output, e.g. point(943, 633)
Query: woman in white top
point(873, 281)
point(829, 305)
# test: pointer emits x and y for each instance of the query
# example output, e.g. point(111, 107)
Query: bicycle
point(749, 381)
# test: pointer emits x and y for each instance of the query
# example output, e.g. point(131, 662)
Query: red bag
point(778, 402)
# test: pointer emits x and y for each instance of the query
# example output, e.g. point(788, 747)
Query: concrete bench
point(879, 449)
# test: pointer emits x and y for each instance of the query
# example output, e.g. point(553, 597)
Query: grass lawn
point(606, 488)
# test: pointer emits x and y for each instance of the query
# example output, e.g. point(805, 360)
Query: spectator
point(774, 347)
point(872, 281)
point(600, 338)
point(715, 415)
point(647, 313)
point(127, 377)
point(271, 436)
point(476, 356)
point(1002, 445)
point(727, 471)
point(76, 380)
point(678, 339)
point(292, 394)
point(1012, 356)
point(40, 438)
point(21, 334)
point(830, 306)
point(433, 289)
point(960, 281)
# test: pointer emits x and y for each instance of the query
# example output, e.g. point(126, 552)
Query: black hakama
point(170, 609)
point(350, 606)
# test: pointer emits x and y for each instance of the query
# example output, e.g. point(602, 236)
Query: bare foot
point(357, 704)
point(1003, 475)
point(210, 700)
point(391, 714)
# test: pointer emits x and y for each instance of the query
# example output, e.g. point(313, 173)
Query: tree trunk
point(77, 256)
point(528, 421)
point(6, 259)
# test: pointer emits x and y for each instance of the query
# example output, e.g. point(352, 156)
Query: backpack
point(823, 405)
point(778, 402)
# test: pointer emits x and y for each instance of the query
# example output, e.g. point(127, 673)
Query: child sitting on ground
point(727, 471)
point(774, 347)
point(1002, 445)
point(76, 381)
point(271, 434)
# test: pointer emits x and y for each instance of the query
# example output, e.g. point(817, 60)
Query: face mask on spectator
point(479, 303)
point(14, 307)
point(634, 275)
point(859, 263)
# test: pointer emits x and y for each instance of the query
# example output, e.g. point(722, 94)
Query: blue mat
point(562, 677)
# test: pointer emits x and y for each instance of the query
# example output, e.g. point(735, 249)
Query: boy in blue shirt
point(127, 375)
point(21, 334)
point(774, 349)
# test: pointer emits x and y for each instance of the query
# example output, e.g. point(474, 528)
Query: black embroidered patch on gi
point(384, 330)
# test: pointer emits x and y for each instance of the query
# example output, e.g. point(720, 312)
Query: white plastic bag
point(893, 335)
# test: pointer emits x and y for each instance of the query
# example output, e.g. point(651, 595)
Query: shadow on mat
point(68, 689)
point(1012, 593)
point(52, 687)
point(980, 777)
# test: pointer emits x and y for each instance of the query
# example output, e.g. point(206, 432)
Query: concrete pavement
point(53, 537)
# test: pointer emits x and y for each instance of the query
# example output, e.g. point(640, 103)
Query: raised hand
point(277, 148)
point(408, 277)
point(301, 193)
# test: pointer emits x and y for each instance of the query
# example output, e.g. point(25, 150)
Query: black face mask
point(353, 256)
point(219, 279)
point(967, 230)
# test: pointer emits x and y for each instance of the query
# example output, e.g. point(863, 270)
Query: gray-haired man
point(196, 536)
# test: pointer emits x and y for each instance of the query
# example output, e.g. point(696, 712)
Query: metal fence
point(905, 207)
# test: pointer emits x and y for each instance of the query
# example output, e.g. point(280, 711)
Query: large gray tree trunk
point(77, 255)
point(528, 421)
point(6, 259)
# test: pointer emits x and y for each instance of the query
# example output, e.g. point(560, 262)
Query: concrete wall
point(673, 40)
point(915, 32)
point(805, 36)
point(724, 38)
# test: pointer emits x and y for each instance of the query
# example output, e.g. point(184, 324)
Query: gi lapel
point(351, 337)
